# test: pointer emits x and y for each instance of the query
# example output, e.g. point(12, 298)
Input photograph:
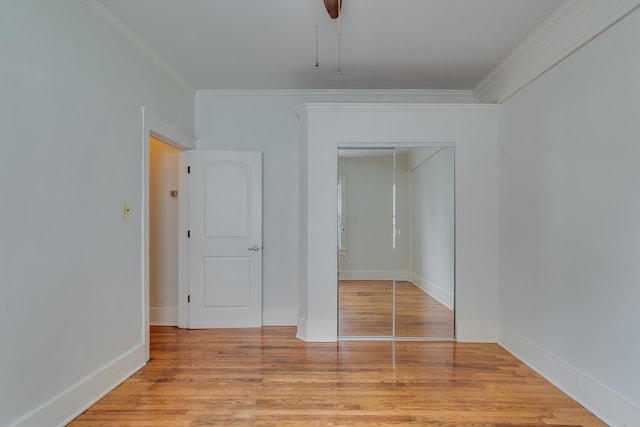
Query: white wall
point(266, 121)
point(71, 294)
point(368, 219)
point(569, 234)
point(163, 233)
point(432, 226)
point(473, 129)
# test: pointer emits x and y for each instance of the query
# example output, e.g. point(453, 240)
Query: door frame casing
point(156, 126)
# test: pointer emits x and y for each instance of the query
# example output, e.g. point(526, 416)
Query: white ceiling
point(385, 44)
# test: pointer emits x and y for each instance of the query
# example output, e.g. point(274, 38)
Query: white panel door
point(225, 247)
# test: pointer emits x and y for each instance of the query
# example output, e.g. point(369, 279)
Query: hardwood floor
point(366, 309)
point(266, 377)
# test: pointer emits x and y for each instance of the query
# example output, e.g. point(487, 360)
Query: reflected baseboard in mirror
point(366, 310)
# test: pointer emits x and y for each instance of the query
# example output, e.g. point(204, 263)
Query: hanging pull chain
point(339, 70)
point(317, 62)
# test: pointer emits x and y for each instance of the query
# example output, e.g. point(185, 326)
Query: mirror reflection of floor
point(366, 309)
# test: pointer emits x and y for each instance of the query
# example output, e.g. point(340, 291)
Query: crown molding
point(116, 23)
point(444, 96)
point(572, 26)
point(394, 108)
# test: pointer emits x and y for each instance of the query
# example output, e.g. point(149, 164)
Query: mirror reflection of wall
point(407, 291)
point(431, 201)
point(367, 217)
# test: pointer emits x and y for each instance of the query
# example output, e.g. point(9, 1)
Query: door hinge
point(188, 234)
point(188, 169)
point(188, 298)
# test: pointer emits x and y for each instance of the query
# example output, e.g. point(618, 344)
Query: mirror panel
point(365, 253)
point(425, 301)
point(396, 243)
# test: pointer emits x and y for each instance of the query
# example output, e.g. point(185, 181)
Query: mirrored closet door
point(396, 243)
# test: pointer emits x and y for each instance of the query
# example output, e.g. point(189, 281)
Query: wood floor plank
point(266, 377)
point(366, 309)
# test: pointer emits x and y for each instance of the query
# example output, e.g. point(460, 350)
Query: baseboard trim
point(610, 407)
point(279, 317)
point(374, 275)
point(163, 316)
point(63, 408)
point(443, 296)
point(317, 331)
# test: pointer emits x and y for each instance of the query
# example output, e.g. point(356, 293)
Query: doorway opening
point(396, 234)
point(163, 233)
point(157, 127)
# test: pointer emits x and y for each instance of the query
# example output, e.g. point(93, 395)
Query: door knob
point(254, 248)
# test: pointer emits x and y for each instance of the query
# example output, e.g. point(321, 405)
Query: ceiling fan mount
point(333, 7)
